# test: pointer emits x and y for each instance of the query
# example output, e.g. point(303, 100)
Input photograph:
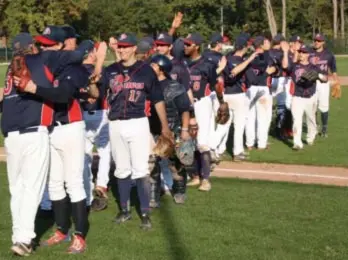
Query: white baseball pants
point(130, 147)
point(307, 106)
point(259, 117)
point(323, 96)
point(67, 160)
point(27, 167)
point(97, 133)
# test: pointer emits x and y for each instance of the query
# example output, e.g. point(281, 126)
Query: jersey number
point(323, 67)
point(134, 95)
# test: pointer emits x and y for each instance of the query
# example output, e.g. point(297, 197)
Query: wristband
point(321, 77)
point(184, 129)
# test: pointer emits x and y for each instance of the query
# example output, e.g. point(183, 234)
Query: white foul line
point(283, 173)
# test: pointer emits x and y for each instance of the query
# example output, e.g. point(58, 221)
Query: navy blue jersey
point(259, 66)
point(23, 110)
point(100, 103)
point(237, 84)
point(129, 88)
point(324, 60)
point(212, 56)
point(276, 58)
point(303, 88)
point(203, 77)
point(180, 73)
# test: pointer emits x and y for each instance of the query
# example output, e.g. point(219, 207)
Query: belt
point(23, 131)
point(91, 112)
point(59, 123)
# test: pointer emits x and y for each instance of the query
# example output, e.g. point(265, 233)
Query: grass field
point(236, 220)
point(342, 66)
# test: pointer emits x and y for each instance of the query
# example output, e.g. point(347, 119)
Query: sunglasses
point(187, 44)
point(317, 41)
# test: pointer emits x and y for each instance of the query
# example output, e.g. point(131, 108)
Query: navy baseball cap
point(22, 41)
point(295, 38)
point(70, 32)
point(87, 46)
point(241, 42)
point(258, 41)
point(245, 35)
point(305, 49)
point(319, 37)
point(52, 35)
point(278, 38)
point(127, 40)
point(143, 47)
point(216, 37)
point(193, 38)
point(164, 39)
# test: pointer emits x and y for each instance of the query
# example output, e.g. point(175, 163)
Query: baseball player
point(129, 83)
point(304, 74)
point(178, 113)
point(67, 145)
point(203, 79)
point(235, 95)
point(97, 133)
point(24, 123)
point(214, 54)
point(326, 62)
point(260, 108)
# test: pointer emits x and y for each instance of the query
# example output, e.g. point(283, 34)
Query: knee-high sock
point(61, 211)
point(205, 163)
point(324, 121)
point(143, 188)
point(124, 188)
point(80, 217)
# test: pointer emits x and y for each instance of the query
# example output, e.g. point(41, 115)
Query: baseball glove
point(19, 69)
point(310, 75)
point(336, 90)
point(164, 147)
point(223, 114)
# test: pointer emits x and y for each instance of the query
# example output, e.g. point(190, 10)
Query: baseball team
point(161, 112)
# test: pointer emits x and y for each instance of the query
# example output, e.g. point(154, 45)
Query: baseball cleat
point(297, 147)
point(154, 204)
point(324, 135)
point(205, 186)
point(78, 245)
point(240, 157)
point(57, 238)
point(21, 249)
point(194, 182)
point(145, 222)
point(179, 198)
point(122, 217)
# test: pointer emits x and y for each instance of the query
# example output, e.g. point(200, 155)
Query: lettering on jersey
point(322, 64)
point(298, 73)
point(9, 83)
point(174, 76)
point(256, 71)
point(120, 82)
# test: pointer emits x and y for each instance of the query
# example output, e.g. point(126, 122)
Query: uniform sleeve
point(153, 90)
point(182, 102)
point(58, 60)
point(212, 77)
point(332, 64)
point(184, 78)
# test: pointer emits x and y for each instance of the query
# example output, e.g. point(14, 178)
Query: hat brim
point(189, 41)
point(319, 39)
point(158, 42)
point(44, 40)
point(125, 44)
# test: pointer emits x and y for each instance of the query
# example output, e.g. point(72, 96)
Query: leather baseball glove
point(164, 147)
point(223, 114)
point(336, 90)
point(310, 75)
point(19, 69)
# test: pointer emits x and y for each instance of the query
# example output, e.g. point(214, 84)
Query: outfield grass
point(236, 220)
point(342, 66)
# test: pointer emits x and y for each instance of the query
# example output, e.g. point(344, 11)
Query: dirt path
point(275, 172)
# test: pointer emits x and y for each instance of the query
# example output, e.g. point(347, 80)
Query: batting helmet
point(163, 62)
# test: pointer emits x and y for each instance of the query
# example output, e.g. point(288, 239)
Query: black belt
point(59, 123)
point(24, 131)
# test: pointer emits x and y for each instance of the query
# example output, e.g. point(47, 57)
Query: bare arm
point(162, 115)
point(241, 67)
point(176, 23)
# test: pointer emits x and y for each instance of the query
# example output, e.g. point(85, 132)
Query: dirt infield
point(275, 172)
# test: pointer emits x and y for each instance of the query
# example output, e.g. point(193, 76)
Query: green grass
point(236, 220)
point(342, 66)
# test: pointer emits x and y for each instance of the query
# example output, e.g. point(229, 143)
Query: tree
point(284, 18)
point(342, 20)
point(335, 25)
point(271, 19)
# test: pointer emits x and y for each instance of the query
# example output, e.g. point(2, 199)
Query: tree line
point(99, 19)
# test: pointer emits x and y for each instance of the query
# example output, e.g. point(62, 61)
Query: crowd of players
point(156, 88)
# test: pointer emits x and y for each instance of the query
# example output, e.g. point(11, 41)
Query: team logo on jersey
point(47, 31)
point(314, 60)
point(123, 36)
point(161, 36)
point(298, 73)
point(55, 83)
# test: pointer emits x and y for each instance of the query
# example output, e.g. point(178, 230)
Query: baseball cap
point(127, 39)
point(22, 41)
point(241, 42)
point(87, 46)
point(143, 47)
point(319, 37)
point(278, 38)
point(295, 38)
point(216, 37)
point(193, 38)
point(245, 35)
point(305, 49)
point(258, 41)
point(164, 39)
point(51, 35)
point(70, 32)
